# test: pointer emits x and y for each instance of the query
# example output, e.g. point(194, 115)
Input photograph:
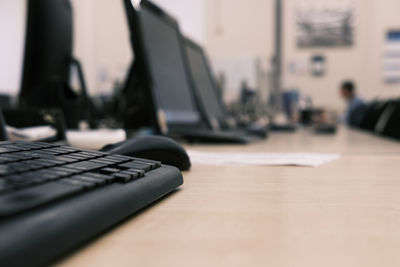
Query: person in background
point(349, 94)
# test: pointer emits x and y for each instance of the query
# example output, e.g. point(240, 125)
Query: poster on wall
point(391, 58)
point(329, 24)
point(318, 65)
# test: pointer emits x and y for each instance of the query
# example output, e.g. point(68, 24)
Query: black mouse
point(258, 130)
point(157, 148)
point(325, 128)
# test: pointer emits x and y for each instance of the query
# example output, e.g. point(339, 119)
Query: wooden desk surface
point(345, 213)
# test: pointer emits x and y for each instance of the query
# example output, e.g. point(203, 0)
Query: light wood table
point(345, 213)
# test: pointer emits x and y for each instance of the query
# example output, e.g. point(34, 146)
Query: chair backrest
point(373, 114)
point(392, 128)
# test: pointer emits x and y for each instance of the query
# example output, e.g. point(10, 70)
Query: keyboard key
point(15, 148)
point(116, 159)
point(109, 171)
point(50, 151)
point(136, 165)
point(19, 181)
point(7, 149)
point(5, 186)
point(18, 167)
point(4, 158)
point(101, 161)
point(39, 144)
point(68, 171)
point(65, 149)
point(73, 156)
point(45, 163)
point(120, 157)
point(23, 155)
point(83, 155)
point(60, 150)
point(35, 196)
point(51, 161)
point(90, 154)
point(11, 157)
point(33, 177)
point(139, 172)
point(134, 175)
point(89, 179)
point(78, 182)
point(65, 158)
point(106, 178)
point(153, 164)
point(34, 165)
point(86, 165)
point(123, 177)
point(67, 181)
point(5, 170)
point(60, 173)
point(47, 174)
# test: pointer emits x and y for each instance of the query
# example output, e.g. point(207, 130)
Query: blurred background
point(323, 43)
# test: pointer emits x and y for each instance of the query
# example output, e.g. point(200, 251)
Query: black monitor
point(48, 59)
point(205, 84)
point(160, 63)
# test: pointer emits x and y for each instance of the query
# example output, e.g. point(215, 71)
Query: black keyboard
point(53, 198)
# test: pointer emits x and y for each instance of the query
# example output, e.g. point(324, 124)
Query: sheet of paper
point(95, 139)
point(262, 159)
point(30, 133)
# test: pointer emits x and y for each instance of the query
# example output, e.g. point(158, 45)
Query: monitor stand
point(136, 109)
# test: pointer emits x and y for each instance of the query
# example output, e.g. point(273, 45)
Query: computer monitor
point(205, 84)
point(48, 59)
point(160, 60)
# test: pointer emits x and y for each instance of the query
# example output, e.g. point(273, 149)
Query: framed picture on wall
point(325, 25)
point(391, 57)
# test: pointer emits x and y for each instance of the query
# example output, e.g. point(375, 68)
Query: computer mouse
point(325, 128)
point(157, 148)
point(283, 128)
point(258, 130)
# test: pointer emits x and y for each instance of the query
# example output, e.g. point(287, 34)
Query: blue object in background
point(290, 102)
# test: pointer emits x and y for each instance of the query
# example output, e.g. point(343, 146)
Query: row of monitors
point(381, 117)
point(171, 72)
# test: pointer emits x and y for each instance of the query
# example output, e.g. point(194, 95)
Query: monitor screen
point(170, 82)
point(204, 83)
point(48, 47)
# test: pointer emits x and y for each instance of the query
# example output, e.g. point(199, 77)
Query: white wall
point(237, 28)
point(191, 16)
point(102, 42)
point(238, 33)
point(12, 29)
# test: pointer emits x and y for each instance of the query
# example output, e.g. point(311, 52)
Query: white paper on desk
point(95, 139)
point(30, 133)
point(263, 159)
